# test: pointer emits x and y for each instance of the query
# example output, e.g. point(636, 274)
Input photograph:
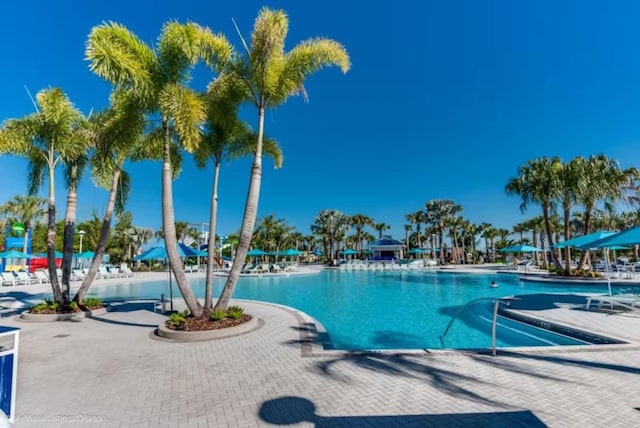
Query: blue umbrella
point(582, 241)
point(13, 254)
point(416, 251)
point(625, 238)
point(290, 252)
point(158, 253)
point(521, 248)
point(256, 252)
point(44, 255)
point(348, 252)
point(86, 255)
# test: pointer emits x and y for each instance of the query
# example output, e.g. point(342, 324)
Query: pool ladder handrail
point(496, 304)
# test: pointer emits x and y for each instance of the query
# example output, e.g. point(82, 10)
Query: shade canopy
point(584, 241)
point(290, 252)
point(521, 248)
point(44, 255)
point(13, 254)
point(416, 251)
point(86, 255)
point(625, 238)
point(348, 252)
point(256, 252)
point(158, 253)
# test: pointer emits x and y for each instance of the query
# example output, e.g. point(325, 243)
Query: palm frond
point(214, 49)
point(186, 111)
point(37, 167)
point(120, 57)
point(123, 192)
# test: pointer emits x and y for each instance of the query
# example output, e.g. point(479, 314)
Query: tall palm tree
point(381, 228)
point(418, 218)
point(408, 228)
point(117, 134)
point(330, 225)
point(46, 139)
point(226, 138)
point(158, 78)
point(537, 183)
point(359, 222)
point(266, 76)
point(438, 211)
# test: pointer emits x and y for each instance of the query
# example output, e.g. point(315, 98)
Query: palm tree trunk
point(440, 241)
point(169, 227)
point(249, 219)
point(51, 239)
point(586, 229)
point(211, 250)
point(102, 240)
point(547, 228)
point(567, 249)
point(67, 246)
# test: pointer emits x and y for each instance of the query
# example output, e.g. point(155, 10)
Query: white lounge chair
point(627, 301)
point(42, 276)
point(24, 278)
point(77, 275)
point(7, 278)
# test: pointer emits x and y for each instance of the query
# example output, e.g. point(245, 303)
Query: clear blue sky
point(444, 100)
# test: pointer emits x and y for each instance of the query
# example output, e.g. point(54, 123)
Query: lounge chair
point(77, 275)
point(24, 278)
point(7, 278)
point(628, 301)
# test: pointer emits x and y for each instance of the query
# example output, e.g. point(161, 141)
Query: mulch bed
point(202, 323)
point(65, 310)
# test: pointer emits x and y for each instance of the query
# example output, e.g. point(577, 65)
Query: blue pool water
point(387, 310)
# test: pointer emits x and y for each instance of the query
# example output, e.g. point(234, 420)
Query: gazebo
point(386, 248)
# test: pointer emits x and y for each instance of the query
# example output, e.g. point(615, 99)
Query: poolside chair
point(630, 302)
point(77, 275)
point(7, 278)
point(23, 278)
point(42, 276)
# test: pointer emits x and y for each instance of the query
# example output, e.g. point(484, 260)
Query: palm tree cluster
point(559, 187)
point(155, 114)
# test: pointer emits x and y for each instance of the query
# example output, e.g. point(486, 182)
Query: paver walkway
point(112, 372)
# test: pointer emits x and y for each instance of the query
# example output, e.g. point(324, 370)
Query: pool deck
point(114, 370)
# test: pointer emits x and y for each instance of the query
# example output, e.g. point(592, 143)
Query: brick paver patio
point(111, 371)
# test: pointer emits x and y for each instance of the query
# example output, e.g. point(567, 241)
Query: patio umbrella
point(290, 252)
point(582, 241)
point(256, 252)
point(416, 251)
point(348, 252)
point(45, 255)
point(521, 248)
point(13, 254)
point(626, 238)
point(86, 255)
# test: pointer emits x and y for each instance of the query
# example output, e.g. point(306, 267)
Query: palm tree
point(29, 210)
point(417, 218)
point(46, 139)
point(359, 222)
point(537, 182)
point(226, 138)
point(157, 78)
point(438, 211)
point(117, 134)
point(330, 225)
point(381, 227)
point(407, 229)
point(266, 76)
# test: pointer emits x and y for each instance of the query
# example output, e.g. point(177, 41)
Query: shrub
point(178, 319)
point(218, 314)
point(40, 307)
point(235, 312)
point(73, 306)
point(92, 302)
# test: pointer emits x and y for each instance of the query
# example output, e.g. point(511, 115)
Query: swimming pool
point(387, 310)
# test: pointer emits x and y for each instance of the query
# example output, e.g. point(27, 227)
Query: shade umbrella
point(348, 252)
point(256, 252)
point(582, 241)
point(45, 255)
point(160, 253)
point(290, 252)
point(86, 255)
point(13, 254)
point(521, 248)
point(416, 251)
point(626, 238)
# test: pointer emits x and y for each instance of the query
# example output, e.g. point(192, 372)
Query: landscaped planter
point(27, 316)
point(197, 336)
